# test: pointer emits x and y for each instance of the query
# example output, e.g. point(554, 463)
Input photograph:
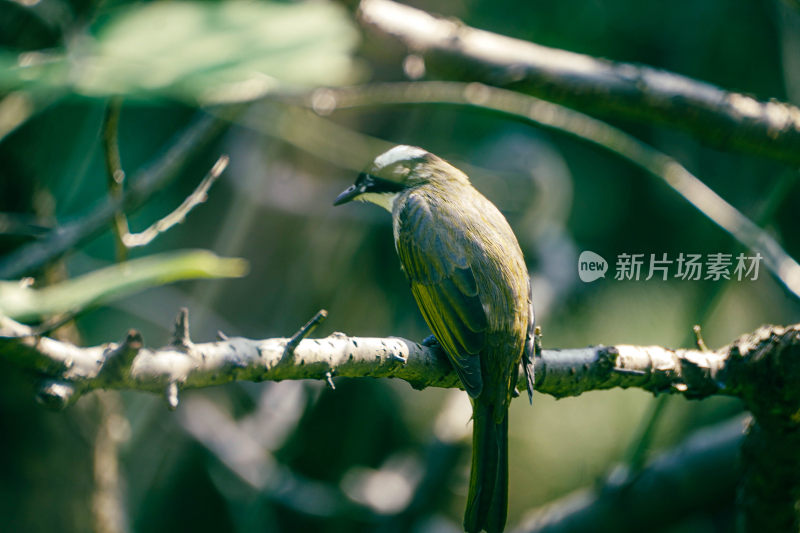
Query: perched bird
point(469, 279)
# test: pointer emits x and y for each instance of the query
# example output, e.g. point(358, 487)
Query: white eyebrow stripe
point(398, 153)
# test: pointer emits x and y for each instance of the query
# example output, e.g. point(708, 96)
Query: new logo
point(591, 266)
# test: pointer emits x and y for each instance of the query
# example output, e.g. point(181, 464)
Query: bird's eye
point(364, 180)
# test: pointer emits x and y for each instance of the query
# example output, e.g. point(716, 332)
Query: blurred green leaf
point(21, 302)
point(210, 52)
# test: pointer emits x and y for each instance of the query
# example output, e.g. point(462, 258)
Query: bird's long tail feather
point(487, 502)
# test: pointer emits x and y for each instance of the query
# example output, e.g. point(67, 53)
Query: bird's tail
point(487, 502)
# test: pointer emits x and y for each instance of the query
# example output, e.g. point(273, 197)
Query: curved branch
point(720, 118)
point(534, 110)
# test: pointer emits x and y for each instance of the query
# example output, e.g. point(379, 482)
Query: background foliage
point(285, 456)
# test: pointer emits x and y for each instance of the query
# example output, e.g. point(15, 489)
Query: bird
point(470, 281)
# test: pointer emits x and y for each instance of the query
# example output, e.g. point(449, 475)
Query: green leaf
point(208, 52)
point(20, 302)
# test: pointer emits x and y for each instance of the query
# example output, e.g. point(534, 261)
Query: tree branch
point(720, 118)
point(125, 240)
point(64, 238)
point(559, 372)
point(197, 197)
point(115, 175)
point(761, 368)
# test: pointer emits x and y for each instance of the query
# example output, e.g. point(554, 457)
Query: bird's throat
point(383, 199)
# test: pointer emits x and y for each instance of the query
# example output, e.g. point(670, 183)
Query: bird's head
point(397, 170)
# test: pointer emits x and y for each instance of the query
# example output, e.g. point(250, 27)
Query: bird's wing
point(439, 269)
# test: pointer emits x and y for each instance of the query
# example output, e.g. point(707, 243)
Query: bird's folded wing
point(442, 281)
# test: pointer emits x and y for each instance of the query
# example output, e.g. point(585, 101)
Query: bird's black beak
point(348, 194)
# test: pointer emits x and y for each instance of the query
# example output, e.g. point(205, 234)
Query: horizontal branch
point(762, 369)
point(720, 118)
point(69, 370)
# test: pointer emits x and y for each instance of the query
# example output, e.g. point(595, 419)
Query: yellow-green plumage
point(469, 279)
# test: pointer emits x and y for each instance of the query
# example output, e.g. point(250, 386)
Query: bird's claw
point(430, 341)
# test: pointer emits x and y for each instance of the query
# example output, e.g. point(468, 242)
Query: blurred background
point(371, 454)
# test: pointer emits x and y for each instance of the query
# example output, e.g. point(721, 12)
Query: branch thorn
point(701, 344)
point(302, 333)
point(56, 394)
point(329, 380)
point(118, 361)
point(180, 336)
point(172, 395)
point(537, 340)
point(221, 336)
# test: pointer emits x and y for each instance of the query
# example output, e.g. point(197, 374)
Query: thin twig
point(115, 174)
point(198, 196)
point(180, 333)
point(147, 181)
point(304, 332)
point(639, 446)
point(698, 334)
point(125, 240)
